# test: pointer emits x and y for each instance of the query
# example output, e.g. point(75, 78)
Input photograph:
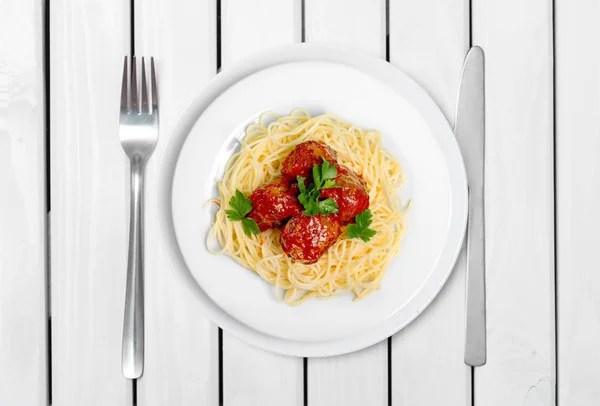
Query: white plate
point(365, 91)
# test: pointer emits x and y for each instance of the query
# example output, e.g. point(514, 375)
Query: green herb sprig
point(240, 207)
point(323, 176)
point(361, 228)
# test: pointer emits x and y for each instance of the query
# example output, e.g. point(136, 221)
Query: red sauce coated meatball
point(273, 203)
point(301, 160)
point(350, 195)
point(306, 238)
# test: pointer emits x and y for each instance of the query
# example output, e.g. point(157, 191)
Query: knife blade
point(470, 134)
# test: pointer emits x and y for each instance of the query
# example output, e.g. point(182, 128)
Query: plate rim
point(300, 53)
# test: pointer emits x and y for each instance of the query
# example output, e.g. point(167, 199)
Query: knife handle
point(475, 329)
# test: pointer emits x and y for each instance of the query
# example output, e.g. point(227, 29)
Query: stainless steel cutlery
point(470, 133)
point(138, 130)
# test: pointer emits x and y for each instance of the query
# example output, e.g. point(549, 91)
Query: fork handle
point(133, 324)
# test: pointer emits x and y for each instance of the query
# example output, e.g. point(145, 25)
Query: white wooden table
point(62, 276)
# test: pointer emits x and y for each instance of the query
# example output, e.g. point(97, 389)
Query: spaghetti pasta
point(349, 265)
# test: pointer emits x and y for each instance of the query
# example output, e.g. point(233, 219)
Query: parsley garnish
point(250, 227)
point(361, 228)
point(240, 207)
point(323, 176)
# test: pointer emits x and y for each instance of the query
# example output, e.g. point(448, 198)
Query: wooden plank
point(252, 376)
point(181, 344)
point(23, 349)
point(90, 205)
point(359, 24)
point(428, 41)
point(249, 26)
point(520, 195)
point(577, 148)
point(360, 378)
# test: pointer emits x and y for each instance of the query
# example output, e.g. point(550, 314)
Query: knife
point(470, 134)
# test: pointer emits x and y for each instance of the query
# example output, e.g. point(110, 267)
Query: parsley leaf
point(233, 215)
point(361, 228)
point(328, 183)
point(327, 206)
point(301, 184)
point(250, 227)
point(240, 207)
point(323, 176)
point(316, 172)
point(364, 219)
point(328, 171)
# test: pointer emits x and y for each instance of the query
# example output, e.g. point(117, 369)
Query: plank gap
point(219, 48)
point(47, 275)
point(389, 358)
point(555, 181)
point(387, 44)
point(305, 377)
point(220, 344)
point(132, 51)
point(49, 361)
point(469, 10)
point(470, 21)
point(47, 97)
point(302, 20)
point(132, 26)
point(472, 386)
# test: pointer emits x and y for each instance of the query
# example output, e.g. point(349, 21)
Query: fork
point(138, 130)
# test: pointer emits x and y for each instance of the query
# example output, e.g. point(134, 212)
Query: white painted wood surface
point(89, 202)
point(429, 40)
point(360, 378)
point(358, 24)
point(182, 350)
point(520, 202)
point(249, 26)
point(89, 197)
point(577, 166)
point(23, 343)
point(252, 376)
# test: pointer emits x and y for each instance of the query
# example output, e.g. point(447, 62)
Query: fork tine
point(124, 101)
point(154, 88)
point(134, 88)
point(144, 88)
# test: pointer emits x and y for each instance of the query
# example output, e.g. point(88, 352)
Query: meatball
point(273, 203)
point(350, 195)
point(306, 155)
point(294, 190)
point(306, 238)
